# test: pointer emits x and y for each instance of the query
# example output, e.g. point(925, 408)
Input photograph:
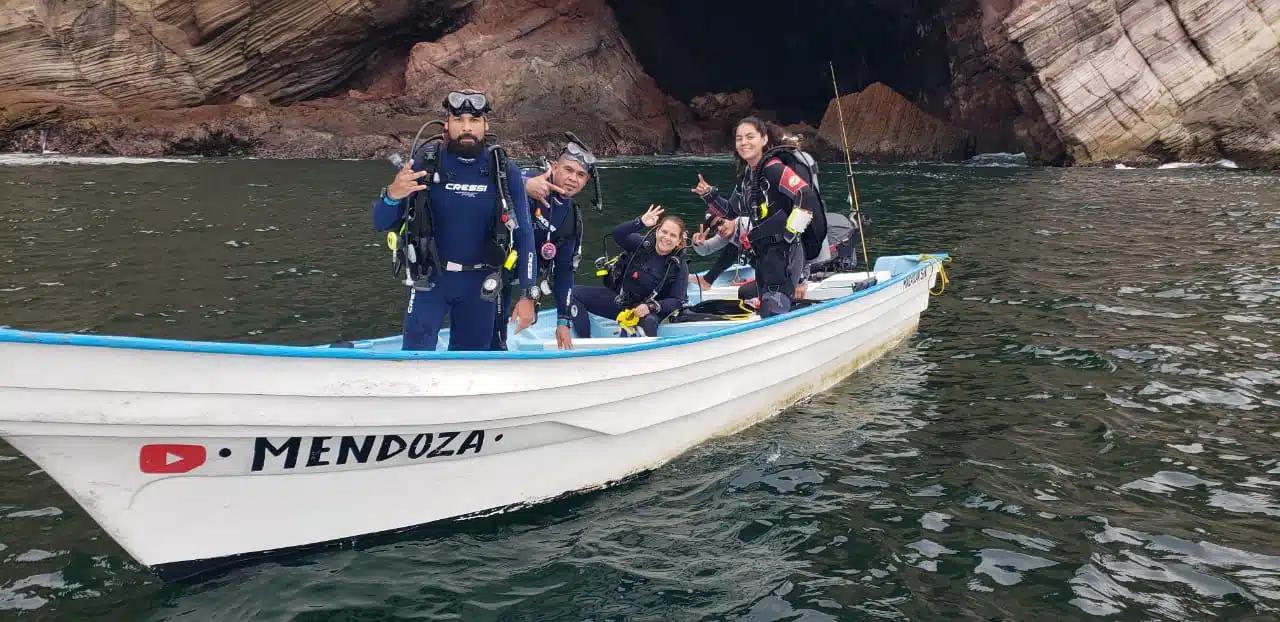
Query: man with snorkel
point(557, 233)
point(471, 229)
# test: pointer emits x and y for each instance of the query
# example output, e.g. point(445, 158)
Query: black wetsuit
point(767, 193)
point(644, 276)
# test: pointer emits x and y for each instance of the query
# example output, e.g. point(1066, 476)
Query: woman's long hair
point(771, 132)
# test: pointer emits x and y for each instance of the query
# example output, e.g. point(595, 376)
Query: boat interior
point(606, 332)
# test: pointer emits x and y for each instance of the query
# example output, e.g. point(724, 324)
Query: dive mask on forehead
point(459, 102)
point(582, 156)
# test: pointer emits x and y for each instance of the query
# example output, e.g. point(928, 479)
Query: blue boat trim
point(216, 347)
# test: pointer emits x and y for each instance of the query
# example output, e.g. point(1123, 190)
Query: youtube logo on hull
point(167, 458)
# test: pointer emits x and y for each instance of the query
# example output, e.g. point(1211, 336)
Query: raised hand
point(702, 188)
point(539, 187)
point(651, 216)
point(701, 235)
point(405, 182)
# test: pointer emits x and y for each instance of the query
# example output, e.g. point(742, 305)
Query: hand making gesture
point(702, 188)
point(405, 183)
point(539, 187)
point(651, 215)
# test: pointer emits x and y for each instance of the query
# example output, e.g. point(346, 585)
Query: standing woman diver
point(787, 218)
point(650, 278)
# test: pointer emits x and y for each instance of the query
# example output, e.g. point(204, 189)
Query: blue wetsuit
point(464, 205)
point(646, 276)
point(559, 217)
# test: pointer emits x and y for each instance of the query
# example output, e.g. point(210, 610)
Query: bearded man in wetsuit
point(463, 206)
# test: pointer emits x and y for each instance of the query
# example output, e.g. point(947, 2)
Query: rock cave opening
point(380, 71)
point(694, 48)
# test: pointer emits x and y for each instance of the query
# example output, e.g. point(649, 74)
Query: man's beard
point(468, 149)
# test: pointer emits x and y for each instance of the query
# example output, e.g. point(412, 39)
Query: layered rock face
point(102, 56)
point(549, 65)
point(1163, 79)
point(1067, 81)
point(992, 85)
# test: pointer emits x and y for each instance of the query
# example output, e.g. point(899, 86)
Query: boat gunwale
point(11, 335)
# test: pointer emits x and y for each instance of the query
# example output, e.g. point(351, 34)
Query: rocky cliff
point(207, 76)
point(101, 56)
point(549, 65)
point(1067, 81)
point(1156, 79)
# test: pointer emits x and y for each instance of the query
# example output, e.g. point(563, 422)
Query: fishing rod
point(853, 186)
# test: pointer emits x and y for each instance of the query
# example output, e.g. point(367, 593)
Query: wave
point(1223, 163)
point(37, 159)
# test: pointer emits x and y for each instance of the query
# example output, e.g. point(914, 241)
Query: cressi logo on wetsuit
point(468, 190)
point(469, 235)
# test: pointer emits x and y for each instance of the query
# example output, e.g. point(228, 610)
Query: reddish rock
point(809, 139)
point(322, 128)
point(550, 66)
point(992, 85)
point(1086, 81)
point(881, 125)
point(382, 77)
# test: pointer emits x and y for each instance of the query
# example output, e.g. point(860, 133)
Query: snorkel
point(398, 160)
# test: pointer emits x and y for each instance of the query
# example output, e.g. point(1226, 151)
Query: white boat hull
point(191, 458)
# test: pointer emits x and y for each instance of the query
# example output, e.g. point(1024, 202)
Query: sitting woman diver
point(649, 278)
point(780, 203)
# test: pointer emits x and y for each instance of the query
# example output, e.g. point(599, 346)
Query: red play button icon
point(168, 458)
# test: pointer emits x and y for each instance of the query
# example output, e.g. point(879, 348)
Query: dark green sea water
point(1087, 425)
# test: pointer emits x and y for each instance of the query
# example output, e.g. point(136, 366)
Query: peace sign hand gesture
point(539, 186)
point(651, 216)
point(701, 235)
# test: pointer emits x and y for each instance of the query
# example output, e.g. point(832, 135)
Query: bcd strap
point(505, 241)
point(557, 236)
point(418, 250)
point(673, 260)
point(812, 238)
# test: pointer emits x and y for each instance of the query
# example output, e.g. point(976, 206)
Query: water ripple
point(1084, 425)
